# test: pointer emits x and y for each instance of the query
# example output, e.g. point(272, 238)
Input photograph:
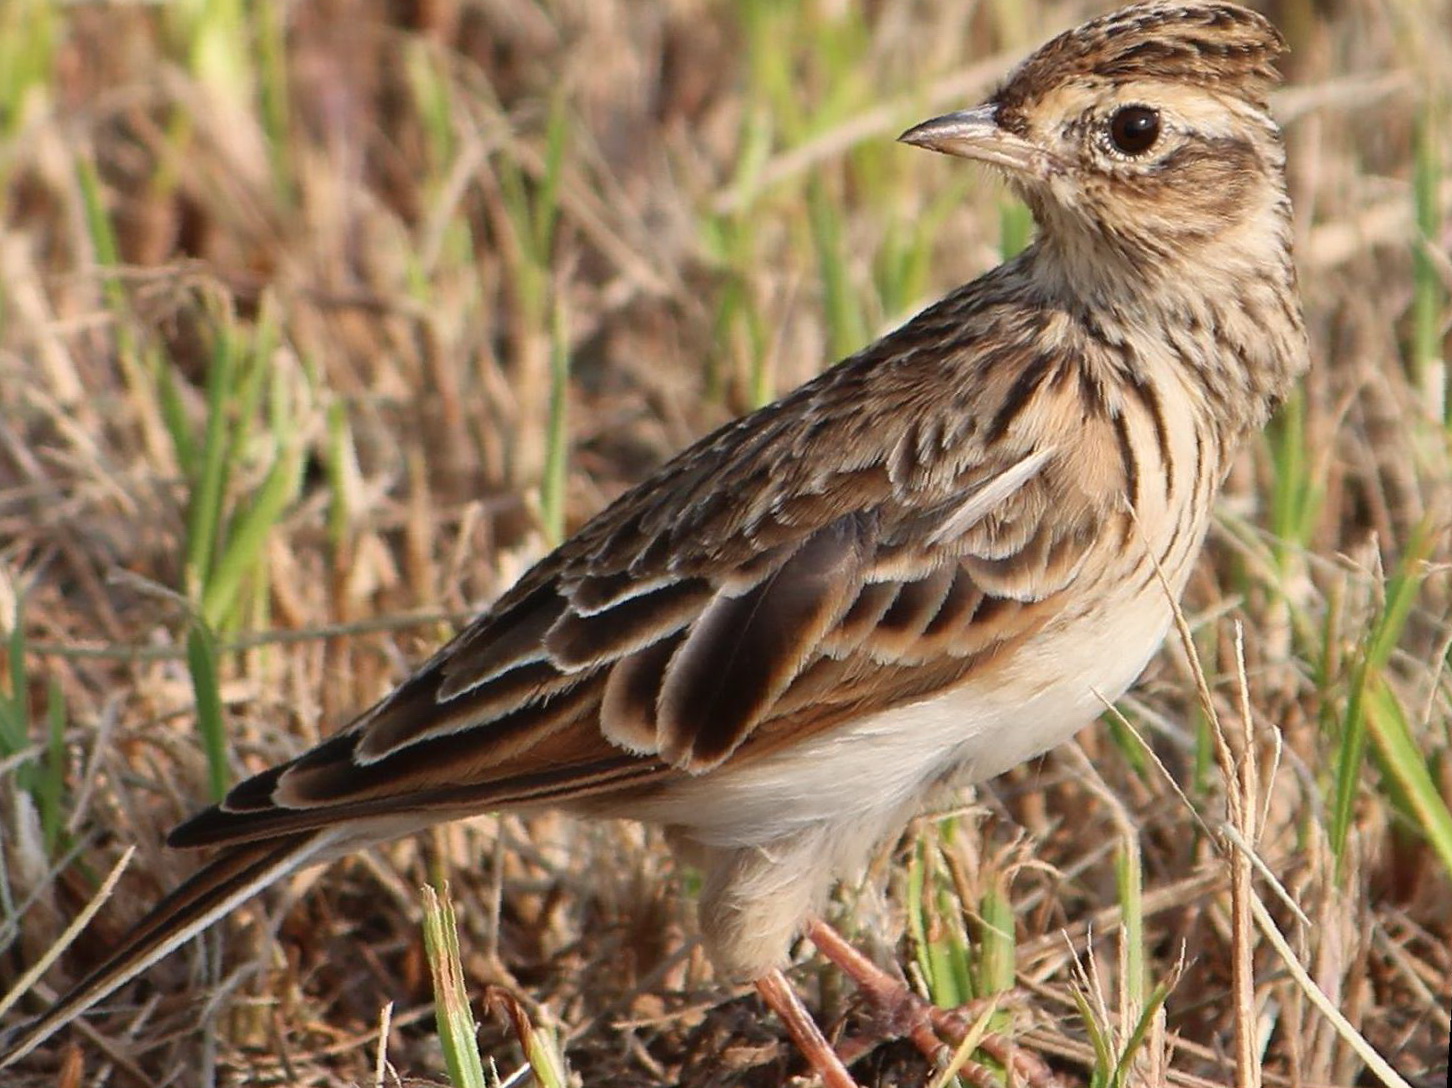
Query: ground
point(320, 320)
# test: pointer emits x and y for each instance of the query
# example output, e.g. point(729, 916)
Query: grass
point(316, 330)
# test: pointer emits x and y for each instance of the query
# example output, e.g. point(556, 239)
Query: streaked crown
point(1218, 46)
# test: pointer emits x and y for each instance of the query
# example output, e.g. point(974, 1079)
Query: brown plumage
point(929, 563)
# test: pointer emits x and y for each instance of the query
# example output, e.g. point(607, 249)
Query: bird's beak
point(976, 134)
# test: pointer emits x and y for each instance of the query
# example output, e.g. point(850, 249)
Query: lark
point(937, 559)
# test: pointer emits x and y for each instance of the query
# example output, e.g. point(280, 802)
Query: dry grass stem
point(281, 307)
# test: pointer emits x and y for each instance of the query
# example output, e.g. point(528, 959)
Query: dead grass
point(394, 222)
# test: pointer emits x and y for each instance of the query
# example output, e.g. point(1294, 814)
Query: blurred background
point(320, 320)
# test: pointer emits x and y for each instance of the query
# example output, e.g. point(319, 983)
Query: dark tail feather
point(234, 876)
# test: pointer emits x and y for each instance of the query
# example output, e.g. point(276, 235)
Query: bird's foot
point(936, 1032)
point(779, 996)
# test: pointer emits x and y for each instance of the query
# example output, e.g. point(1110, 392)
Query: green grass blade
point(546, 210)
point(1417, 794)
point(102, 234)
point(846, 331)
point(29, 45)
point(1402, 590)
point(50, 791)
point(1129, 874)
point(455, 1018)
point(14, 719)
point(208, 490)
point(174, 417)
point(1124, 1066)
point(206, 689)
point(557, 447)
point(274, 104)
point(247, 538)
point(997, 946)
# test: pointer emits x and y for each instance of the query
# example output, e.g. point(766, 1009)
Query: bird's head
point(1139, 139)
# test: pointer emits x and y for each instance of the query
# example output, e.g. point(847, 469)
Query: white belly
point(877, 770)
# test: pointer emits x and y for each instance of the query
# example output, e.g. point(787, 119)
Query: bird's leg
point(910, 1016)
point(906, 1015)
point(779, 996)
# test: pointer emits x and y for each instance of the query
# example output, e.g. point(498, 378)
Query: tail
point(236, 875)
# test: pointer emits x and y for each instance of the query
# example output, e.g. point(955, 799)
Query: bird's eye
point(1134, 129)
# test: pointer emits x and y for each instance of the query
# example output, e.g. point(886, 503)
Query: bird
point(937, 559)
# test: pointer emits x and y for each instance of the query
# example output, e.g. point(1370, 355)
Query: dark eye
point(1134, 129)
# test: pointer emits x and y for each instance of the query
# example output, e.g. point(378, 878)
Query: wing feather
point(581, 640)
point(855, 615)
point(861, 619)
point(627, 711)
point(482, 651)
point(817, 560)
point(744, 651)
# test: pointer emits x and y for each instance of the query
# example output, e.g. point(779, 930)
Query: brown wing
point(859, 545)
